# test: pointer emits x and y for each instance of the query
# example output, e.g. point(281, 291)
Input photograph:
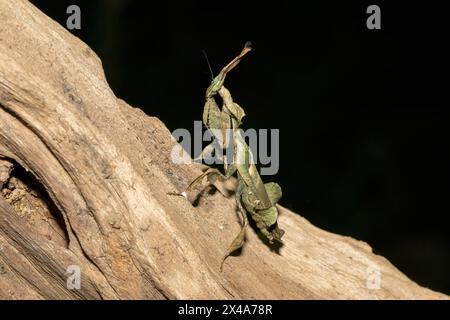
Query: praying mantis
point(251, 194)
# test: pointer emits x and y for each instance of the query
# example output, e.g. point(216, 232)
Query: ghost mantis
point(251, 194)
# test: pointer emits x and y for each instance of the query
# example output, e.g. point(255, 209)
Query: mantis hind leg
point(239, 240)
point(211, 174)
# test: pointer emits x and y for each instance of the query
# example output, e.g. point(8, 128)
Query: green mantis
point(252, 195)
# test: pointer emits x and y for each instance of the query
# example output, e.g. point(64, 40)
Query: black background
point(363, 114)
point(282, 309)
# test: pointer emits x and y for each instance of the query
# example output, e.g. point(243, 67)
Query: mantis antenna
point(209, 65)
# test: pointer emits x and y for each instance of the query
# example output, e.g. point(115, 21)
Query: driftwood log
point(84, 179)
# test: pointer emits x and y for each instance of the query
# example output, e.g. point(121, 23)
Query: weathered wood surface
point(106, 168)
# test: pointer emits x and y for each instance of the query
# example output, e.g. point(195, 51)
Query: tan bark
point(106, 168)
